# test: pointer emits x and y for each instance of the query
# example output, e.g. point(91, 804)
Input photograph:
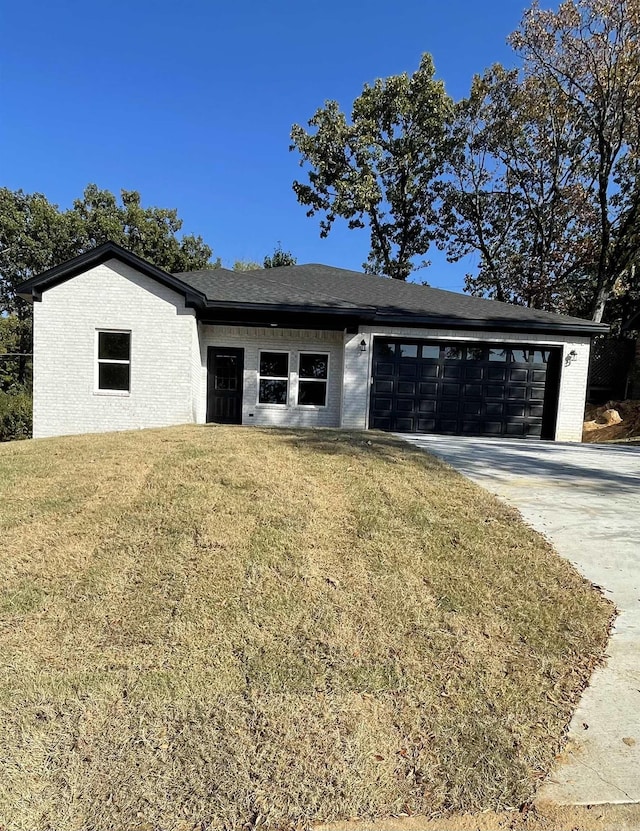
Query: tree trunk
point(599, 304)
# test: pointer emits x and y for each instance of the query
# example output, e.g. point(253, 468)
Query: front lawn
point(212, 627)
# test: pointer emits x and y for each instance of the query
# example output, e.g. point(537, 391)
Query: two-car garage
point(474, 388)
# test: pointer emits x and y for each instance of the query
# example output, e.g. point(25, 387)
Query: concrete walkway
point(586, 500)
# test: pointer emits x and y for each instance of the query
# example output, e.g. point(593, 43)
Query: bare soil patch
point(598, 426)
point(207, 627)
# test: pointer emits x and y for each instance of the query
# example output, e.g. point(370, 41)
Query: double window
point(113, 372)
point(274, 377)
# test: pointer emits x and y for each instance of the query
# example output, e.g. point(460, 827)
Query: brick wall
point(163, 338)
point(292, 341)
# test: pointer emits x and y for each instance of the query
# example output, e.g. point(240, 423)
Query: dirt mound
point(613, 421)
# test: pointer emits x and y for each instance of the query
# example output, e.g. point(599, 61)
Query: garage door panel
point(519, 393)
point(383, 404)
point(496, 373)
point(517, 374)
point(493, 428)
point(473, 389)
point(408, 370)
point(473, 373)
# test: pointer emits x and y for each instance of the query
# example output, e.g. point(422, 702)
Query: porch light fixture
point(363, 345)
point(571, 357)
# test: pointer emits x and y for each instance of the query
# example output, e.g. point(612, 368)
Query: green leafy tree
point(246, 265)
point(151, 233)
point(279, 258)
point(36, 235)
point(378, 169)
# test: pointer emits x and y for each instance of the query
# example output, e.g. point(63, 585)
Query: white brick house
point(120, 344)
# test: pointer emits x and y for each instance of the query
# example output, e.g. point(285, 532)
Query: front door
point(224, 386)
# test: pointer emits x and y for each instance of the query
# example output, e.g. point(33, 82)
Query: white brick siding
point(573, 378)
point(293, 341)
point(169, 361)
point(163, 335)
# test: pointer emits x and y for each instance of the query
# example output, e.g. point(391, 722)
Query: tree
point(36, 235)
point(515, 193)
point(246, 265)
point(548, 176)
point(279, 258)
point(151, 233)
point(379, 169)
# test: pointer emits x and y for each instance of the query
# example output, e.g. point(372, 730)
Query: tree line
point(36, 235)
point(535, 171)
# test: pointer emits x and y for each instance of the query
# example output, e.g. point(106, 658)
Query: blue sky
point(191, 103)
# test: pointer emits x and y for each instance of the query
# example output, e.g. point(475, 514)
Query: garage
point(475, 389)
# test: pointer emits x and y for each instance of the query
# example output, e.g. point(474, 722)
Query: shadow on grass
point(610, 468)
point(336, 442)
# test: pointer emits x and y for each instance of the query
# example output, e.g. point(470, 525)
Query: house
point(120, 344)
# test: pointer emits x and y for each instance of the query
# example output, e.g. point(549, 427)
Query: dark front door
point(224, 386)
point(475, 389)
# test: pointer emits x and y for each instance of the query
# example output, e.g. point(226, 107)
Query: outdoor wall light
point(363, 345)
point(571, 357)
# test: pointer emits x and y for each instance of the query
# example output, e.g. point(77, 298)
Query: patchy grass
point(222, 627)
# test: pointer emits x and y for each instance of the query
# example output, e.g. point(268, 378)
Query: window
point(408, 350)
point(114, 362)
point(430, 350)
point(313, 373)
point(273, 384)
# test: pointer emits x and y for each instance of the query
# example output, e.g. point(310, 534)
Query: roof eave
point(586, 329)
point(32, 289)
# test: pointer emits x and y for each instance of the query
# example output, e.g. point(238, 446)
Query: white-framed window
point(313, 378)
point(273, 377)
point(113, 361)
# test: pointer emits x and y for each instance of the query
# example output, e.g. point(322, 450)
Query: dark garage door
point(464, 388)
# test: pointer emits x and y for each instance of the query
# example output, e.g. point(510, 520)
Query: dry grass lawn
point(211, 627)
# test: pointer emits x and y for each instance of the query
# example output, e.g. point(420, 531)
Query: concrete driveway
point(586, 500)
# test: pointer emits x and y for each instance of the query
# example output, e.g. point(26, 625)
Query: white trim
point(97, 389)
point(287, 379)
point(324, 381)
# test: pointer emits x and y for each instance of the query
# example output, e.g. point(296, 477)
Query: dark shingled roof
point(318, 296)
point(316, 285)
